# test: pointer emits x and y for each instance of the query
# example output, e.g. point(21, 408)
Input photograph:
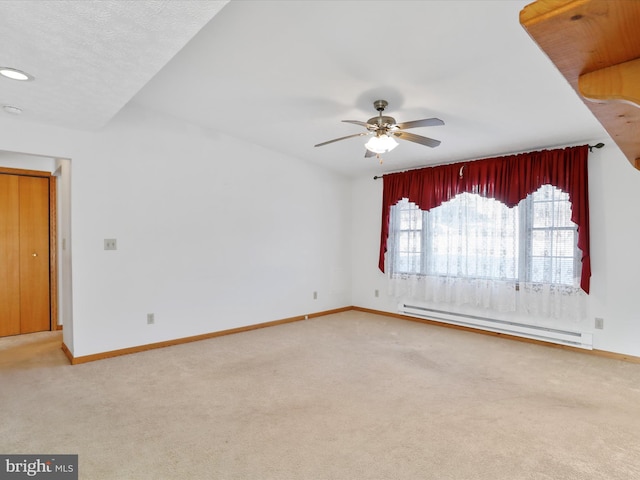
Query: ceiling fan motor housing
point(375, 123)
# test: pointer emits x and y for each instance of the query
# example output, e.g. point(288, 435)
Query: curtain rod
point(591, 147)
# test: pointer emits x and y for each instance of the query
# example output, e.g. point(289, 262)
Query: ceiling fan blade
point(412, 137)
point(356, 122)
point(368, 153)
point(425, 122)
point(342, 138)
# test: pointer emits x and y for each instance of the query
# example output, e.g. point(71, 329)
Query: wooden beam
point(585, 36)
point(618, 83)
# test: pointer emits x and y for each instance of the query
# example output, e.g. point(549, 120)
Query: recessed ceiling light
point(12, 110)
point(15, 74)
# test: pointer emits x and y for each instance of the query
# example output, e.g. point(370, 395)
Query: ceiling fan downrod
point(380, 105)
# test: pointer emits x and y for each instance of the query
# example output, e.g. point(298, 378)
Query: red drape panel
point(507, 179)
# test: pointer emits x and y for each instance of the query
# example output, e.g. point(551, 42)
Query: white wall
point(213, 233)
point(614, 193)
point(65, 305)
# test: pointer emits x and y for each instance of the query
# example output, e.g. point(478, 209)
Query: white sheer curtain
point(475, 252)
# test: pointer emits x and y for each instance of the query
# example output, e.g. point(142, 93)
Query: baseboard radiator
point(535, 332)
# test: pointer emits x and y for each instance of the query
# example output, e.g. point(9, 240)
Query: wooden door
point(25, 303)
point(34, 255)
point(9, 255)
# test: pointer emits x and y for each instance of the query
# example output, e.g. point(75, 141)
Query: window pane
point(406, 237)
point(564, 243)
point(543, 215)
point(472, 236)
point(562, 214)
point(540, 268)
point(410, 218)
point(541, 242)
point(553, 238)
point(409, 241)
point(564, 271)
point(545, 192)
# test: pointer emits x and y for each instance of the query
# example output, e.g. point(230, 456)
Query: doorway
point(27, 252)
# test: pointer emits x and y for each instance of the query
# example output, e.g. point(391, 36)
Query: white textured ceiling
point(283, 74)
point(89, 57)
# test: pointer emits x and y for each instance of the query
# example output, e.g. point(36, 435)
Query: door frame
point(53, 239)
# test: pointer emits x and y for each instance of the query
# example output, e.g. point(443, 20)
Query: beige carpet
point(346, 396)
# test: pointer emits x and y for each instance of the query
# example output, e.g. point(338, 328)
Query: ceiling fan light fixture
point(381, 144)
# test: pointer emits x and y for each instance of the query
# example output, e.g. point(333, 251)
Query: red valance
point(507, 179)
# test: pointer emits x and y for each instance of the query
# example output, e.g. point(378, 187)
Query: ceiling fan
point(384, 129)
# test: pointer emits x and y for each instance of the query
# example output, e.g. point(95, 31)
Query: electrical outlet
point(110, 244)
point(315, 295)
point(376, 293)
point(151, 319)
point(599, 324)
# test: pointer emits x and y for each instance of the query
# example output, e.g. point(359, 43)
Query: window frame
point(524, 251)
point(527, 226)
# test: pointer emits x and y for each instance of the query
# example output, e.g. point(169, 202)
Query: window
point(480, 238)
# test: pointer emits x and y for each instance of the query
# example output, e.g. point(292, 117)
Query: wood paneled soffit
point(596, 46)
